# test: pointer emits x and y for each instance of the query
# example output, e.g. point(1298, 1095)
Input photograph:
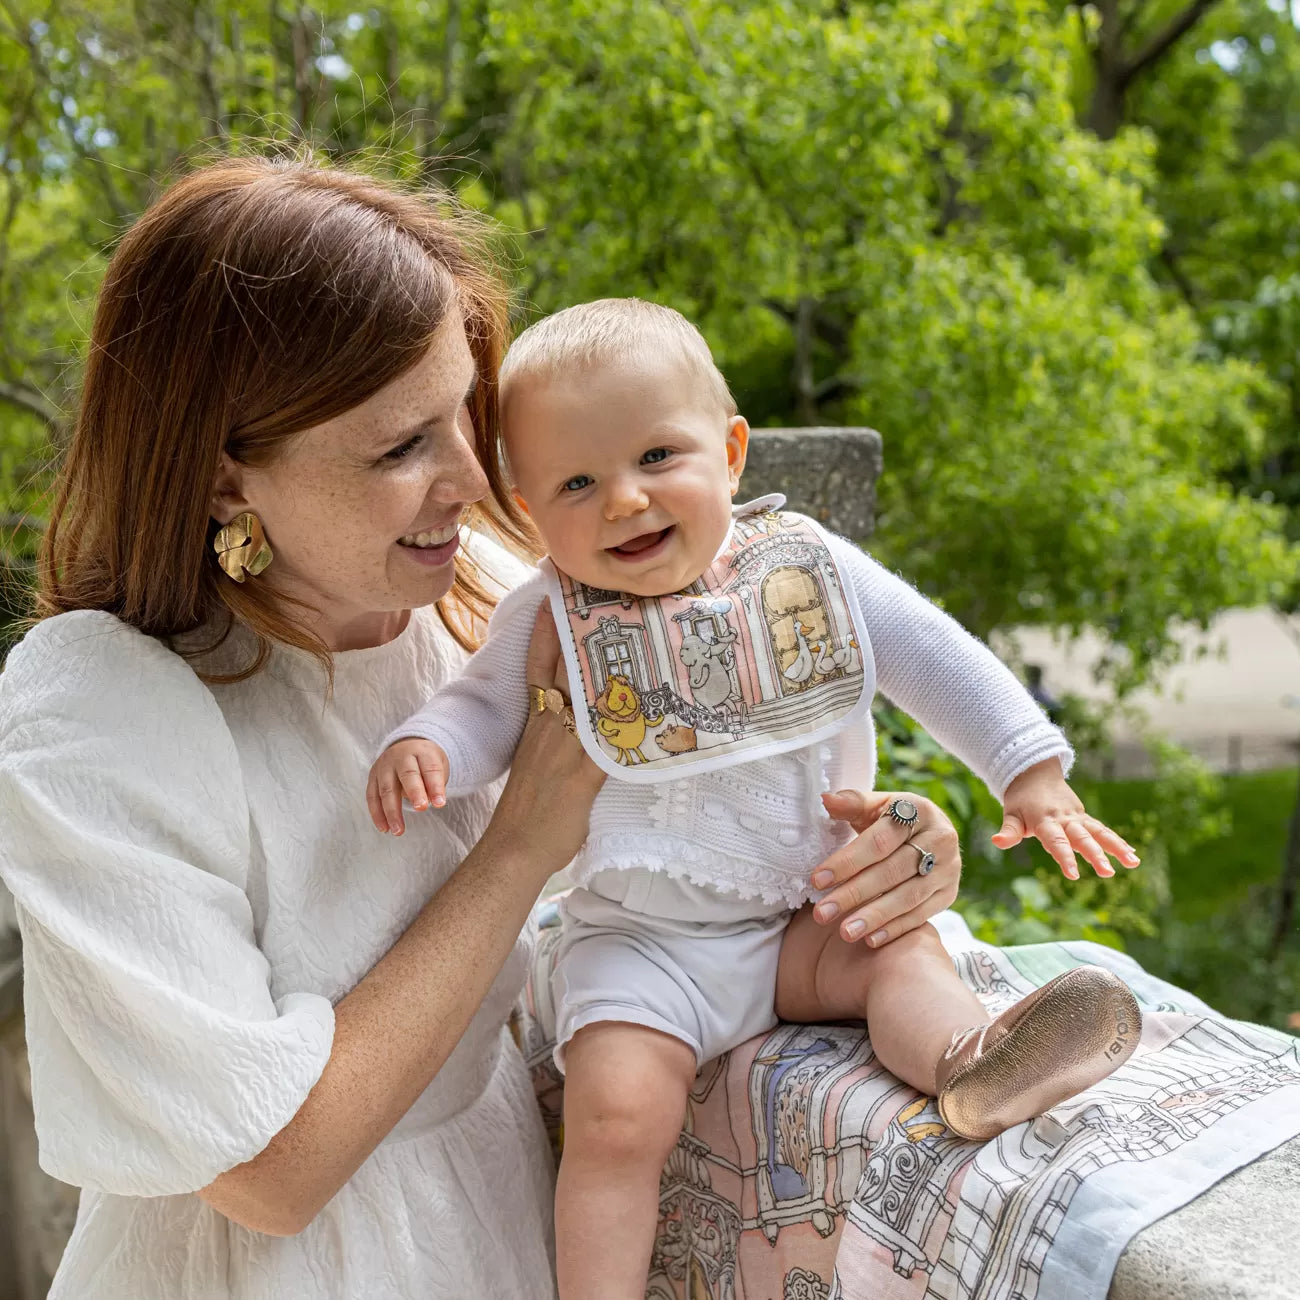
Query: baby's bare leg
point(907, 990)
point(624, 1099)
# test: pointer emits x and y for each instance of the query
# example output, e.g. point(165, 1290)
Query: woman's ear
point(737, 450)
point(228, 499)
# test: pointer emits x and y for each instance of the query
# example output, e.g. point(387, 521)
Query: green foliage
point(878, 213)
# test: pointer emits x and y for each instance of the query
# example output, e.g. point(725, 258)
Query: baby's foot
point(1052, 1044)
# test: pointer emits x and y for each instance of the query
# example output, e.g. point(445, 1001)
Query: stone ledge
point(1237, 1241)
point(828, 473)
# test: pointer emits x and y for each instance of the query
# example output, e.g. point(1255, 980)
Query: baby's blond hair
point(611, 331)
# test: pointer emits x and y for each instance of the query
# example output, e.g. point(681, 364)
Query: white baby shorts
point(646, 948)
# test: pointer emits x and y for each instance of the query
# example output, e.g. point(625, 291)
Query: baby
point(723, 662)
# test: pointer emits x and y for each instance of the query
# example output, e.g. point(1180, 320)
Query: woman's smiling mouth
point(642, 547)
point(432, 548)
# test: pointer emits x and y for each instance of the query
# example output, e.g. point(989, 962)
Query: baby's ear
point(737, 449)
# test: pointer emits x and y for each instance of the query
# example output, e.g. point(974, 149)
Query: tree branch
point(31, 401)
point(1158, 43)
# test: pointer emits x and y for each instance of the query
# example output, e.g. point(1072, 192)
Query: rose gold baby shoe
point(1052, 1044)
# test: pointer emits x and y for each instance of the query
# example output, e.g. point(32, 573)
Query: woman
point(267, 1043)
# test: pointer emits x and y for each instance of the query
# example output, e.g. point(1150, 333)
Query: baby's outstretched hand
point(1039, 803)
point(414, 768)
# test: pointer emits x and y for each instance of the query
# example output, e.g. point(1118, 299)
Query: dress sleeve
point(159, 1057)
point(950, 682)
point(478, 717)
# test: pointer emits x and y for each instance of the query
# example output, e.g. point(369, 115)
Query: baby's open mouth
point(643, 542)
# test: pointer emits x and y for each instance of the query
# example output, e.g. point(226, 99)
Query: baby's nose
point(624, 500)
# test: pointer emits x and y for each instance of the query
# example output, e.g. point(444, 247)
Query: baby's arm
point(477, 719)
point(974, 706)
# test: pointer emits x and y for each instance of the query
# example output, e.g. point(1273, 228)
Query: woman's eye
point(576, 483)
point(655, 455)
point(400, 453)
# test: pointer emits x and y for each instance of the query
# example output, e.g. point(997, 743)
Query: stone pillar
point(829, 474)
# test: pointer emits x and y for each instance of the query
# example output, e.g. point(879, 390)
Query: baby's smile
point(643, 546)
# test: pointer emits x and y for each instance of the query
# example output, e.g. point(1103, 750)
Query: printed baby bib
point(766, 652)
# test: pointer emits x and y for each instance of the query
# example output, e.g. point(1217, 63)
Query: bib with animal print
point(765, 652)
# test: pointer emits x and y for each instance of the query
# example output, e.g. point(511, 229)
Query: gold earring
point(242, 548)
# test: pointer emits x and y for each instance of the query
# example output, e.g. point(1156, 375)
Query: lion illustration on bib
point(621, 720)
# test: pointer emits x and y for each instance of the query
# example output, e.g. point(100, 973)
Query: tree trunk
point(1289, 883)
point(805, 385)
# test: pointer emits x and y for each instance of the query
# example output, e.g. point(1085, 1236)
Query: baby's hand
point(414, 768)
point(1039, 803)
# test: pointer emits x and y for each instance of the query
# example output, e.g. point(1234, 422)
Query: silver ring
point(926, 865)
point(904, 812)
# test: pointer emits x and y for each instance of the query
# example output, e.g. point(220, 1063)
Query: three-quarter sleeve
point(948, 680)
point(159, 1057)
point(478, 717)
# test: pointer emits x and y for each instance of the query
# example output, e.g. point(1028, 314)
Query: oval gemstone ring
point(904, 812)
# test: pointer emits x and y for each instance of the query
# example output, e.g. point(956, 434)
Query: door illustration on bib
point(794, 609)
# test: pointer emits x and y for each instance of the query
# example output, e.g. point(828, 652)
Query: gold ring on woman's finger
point(546, 699)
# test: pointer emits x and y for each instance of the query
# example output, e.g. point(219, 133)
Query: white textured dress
point(197, 883)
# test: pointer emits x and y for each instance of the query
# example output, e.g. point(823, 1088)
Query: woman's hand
point(548, 796)
point(875, 890)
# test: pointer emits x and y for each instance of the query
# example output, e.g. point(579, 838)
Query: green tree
point(878, 213)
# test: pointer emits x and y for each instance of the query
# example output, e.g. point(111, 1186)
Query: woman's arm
point(396, 1028)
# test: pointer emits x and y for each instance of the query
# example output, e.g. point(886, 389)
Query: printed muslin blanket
point(806, 1172)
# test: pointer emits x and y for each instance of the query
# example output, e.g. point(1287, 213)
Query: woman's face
point(362, 511)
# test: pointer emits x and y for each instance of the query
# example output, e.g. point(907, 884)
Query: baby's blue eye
point(576, 483)
point(655, 455)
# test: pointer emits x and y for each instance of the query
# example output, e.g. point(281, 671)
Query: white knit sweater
point(757, 828)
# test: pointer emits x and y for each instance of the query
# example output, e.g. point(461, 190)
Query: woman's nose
point(460, 477)
point(623, 498)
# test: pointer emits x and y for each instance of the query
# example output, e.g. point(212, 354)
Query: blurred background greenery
point(1050, 250)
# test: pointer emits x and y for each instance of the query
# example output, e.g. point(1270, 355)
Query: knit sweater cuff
point(1024, 751)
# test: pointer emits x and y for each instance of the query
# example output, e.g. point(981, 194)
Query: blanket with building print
point(805, 1171)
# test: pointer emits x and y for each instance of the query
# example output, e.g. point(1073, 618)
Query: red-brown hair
point(257, 297)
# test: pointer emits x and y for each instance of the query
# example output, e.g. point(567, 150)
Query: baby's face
point(628, 472)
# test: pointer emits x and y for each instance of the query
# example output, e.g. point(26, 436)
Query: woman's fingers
point(857, 807)
point(876, 840)
point(543, 662)
point(898, 925)
point(877, 921)
point(878, 883)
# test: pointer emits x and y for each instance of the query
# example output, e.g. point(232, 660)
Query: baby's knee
point(629, 1124)
point(625, 1094)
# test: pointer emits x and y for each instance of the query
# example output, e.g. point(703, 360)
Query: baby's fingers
point(1082, 841)
point(1114, 844)
point(410, 776)
point(376, 804)
point(1053, 838)
point(389, 794)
